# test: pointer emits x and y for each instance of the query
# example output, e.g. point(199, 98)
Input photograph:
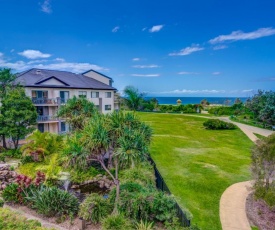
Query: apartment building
point(49, 89)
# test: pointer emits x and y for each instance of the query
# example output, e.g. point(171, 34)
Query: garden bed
point(259, 214)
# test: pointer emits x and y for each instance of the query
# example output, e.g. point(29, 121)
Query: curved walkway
point(233, 200)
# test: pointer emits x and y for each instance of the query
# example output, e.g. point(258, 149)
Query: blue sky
point(164, 48)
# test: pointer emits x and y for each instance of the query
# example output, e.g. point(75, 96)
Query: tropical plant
point(1, 203)
point(10, 193)
point(144, 225)
point(94, 208)
point(51, 169)
point(76, 111)
point(133, 98)
point(51, 201)
point(41, 144)
point(116, 222)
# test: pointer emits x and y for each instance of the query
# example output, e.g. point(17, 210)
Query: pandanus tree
point(76, 111)
point(119, 137)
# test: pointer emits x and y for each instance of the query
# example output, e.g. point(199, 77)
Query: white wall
point(98, 77)
point(55, 92)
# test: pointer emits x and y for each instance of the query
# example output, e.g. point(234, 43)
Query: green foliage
point(94, 208)
point(116, 222)
point(79, 176)
point(10, 220)
point(189, 108)
point(144, 225)
point(133, 98)
point(18, 114)
point(218, 124)
point(142, 174)
point(2, 158)
point(40, 145)
point(76, 111)
point(262, 105)
point(1, 202)
point(51, 201)
point(30, 169)
point(221, 110)
point(13, 153)
point(263, 167)
point(27, 159)
point(51, 169)
point(10, 193)
point(138, 203)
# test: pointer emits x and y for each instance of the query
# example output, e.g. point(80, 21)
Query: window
point(94, 94)
point(108, 94)
point(108, 107)
point(82, 94)
point(41, 128)
point(39, 94)
point(63, 127)
point(64, 96)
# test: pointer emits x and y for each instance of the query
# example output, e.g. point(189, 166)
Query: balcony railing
point(38, 101)
point(46, 118)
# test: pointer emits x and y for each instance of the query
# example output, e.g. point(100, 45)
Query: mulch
point(259, 214)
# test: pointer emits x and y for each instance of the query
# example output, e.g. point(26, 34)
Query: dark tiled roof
point(36, 77)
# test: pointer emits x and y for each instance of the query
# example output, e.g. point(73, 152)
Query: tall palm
point(133, 98)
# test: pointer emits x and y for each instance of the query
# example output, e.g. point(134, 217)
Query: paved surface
point(232, 207)
point(249, 130)
point(232, 204)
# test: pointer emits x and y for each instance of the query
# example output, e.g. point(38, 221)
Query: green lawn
point(198, 164)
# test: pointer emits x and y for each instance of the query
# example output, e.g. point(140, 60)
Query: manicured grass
point(198, 164)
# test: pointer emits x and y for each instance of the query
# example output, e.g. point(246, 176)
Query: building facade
point(50, 89)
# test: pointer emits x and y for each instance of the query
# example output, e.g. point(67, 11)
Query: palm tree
point(133, 98)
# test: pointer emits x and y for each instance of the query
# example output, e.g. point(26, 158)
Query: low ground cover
point(198, 164)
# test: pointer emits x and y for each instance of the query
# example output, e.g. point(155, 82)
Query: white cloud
point(56, 65)
point(156, 28)
point(136, 59)
point(46, 7)
point(240, 35)
point(247, 90)
point(145, 66)
point(1, 54)
point(145, 75)
point(143, 29)
point(33, 54)
point(220, 47)
point(188, 50)
point(187, 73)
point(60, 59)
point(216, 73)
point(115, 29)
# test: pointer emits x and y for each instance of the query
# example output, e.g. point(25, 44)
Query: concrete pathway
point(232, 206)
point(233, 200)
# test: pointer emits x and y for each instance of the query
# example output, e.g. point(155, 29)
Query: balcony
point(47, 101)
point(46, 118)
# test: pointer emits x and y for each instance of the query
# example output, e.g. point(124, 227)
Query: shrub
point(216, 124)
point(10, 193)
point(26, 159)
point(116, 222)
point(51, 201)
point(94, 208)
point(13, 153)
point(138, 203)
point(10, 220)
point(2, 158)
point(1, 203)
point(141, 175)
point(144, 225)
point(81, 175)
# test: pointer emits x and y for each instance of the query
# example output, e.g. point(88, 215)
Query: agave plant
point(144, 225)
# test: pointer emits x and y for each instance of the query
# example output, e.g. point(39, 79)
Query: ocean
point(197, 100)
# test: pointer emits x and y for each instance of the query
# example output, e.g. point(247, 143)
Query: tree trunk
point(4, 141)
point(115, 211)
